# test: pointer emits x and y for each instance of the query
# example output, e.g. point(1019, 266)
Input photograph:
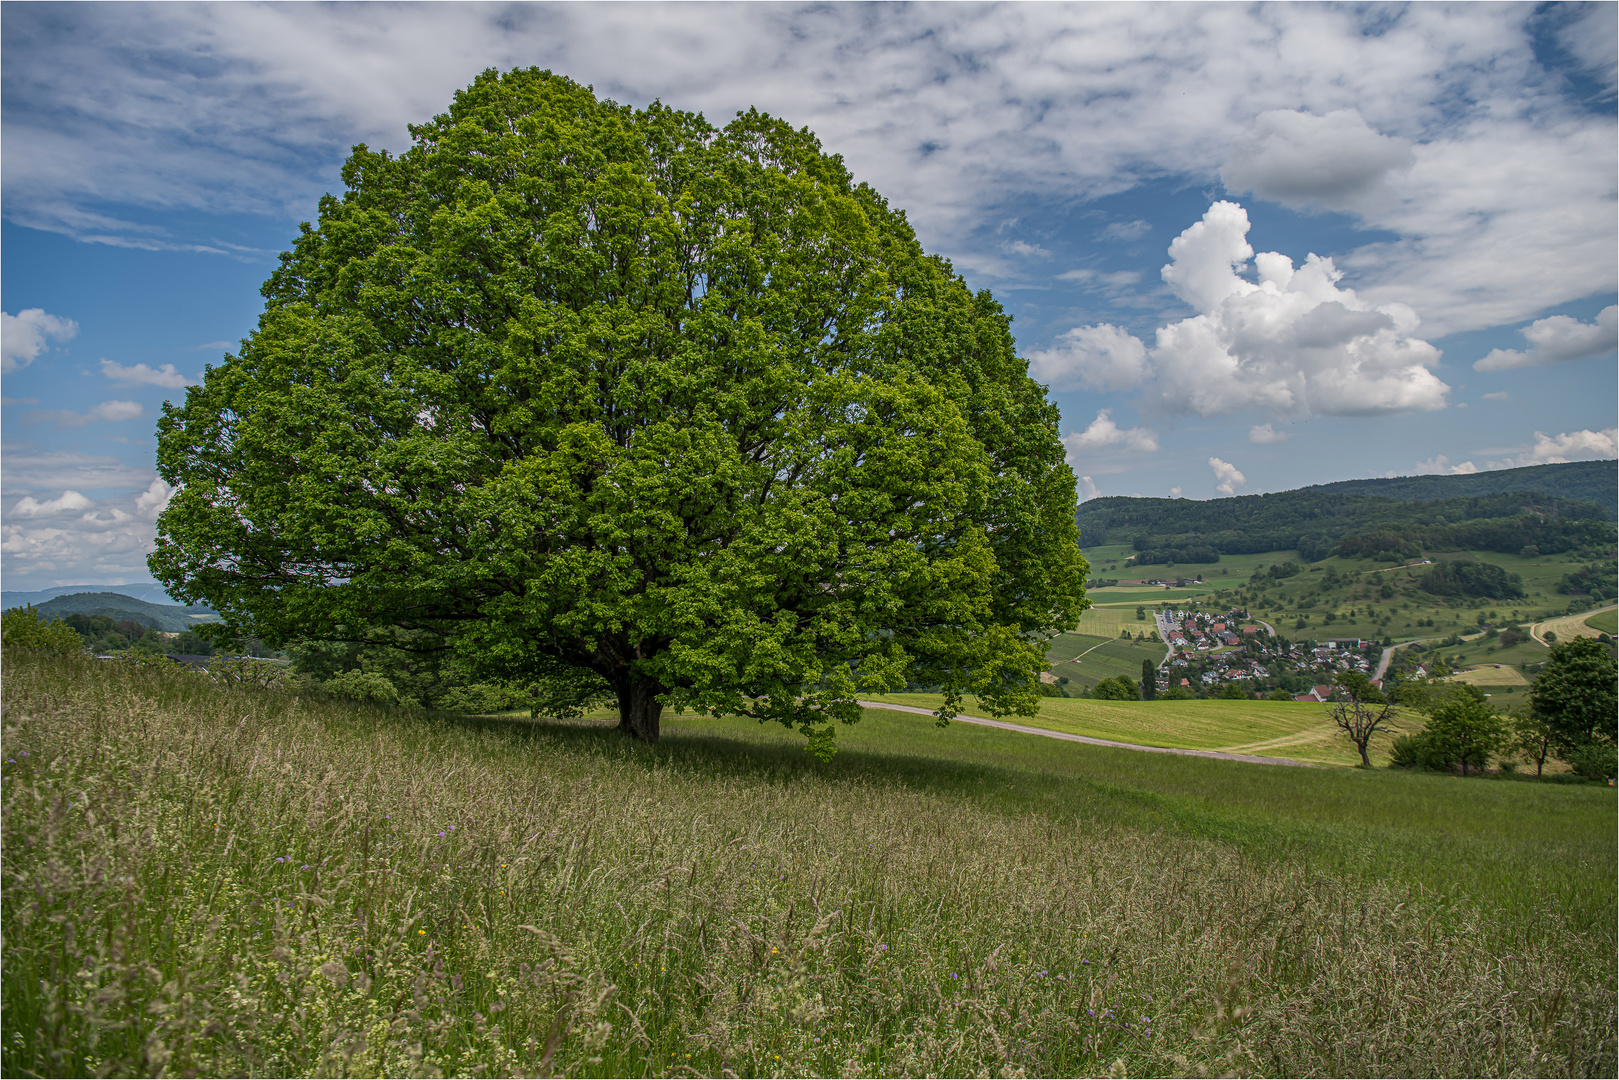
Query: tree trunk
point(1365, 762)
point(638, 705)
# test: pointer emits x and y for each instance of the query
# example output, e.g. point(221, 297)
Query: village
point(1208, 648)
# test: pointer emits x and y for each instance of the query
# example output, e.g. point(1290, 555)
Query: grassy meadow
point(227, 881)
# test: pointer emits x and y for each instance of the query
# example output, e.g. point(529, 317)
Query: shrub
point(1595, 761)
point(26, 628)
point(1118, 688)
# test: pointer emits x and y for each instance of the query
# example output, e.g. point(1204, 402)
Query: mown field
point(1284, 729)
point(211, 881)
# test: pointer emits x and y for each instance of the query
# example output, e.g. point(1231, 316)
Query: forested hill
point(1319, 523)
point(1582, 481)
point(168, 617)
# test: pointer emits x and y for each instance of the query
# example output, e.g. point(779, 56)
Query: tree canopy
point(609, 400)
point(1575, 695)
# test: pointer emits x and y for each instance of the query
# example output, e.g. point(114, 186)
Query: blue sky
point(1249, 247)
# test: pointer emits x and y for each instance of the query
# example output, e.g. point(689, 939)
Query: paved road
point(1066, 737)
point(1269, 629)
point(1163, 623)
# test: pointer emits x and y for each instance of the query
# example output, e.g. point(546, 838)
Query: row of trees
point(1572, 715)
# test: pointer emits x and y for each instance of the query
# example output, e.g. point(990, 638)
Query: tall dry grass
point(202, 880)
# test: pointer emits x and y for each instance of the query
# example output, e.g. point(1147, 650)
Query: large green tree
point(609, 400)
point(1575, 695)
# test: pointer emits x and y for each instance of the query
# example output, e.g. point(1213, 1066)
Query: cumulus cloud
point(1293, 344)
point(73, 538)
point(1087, 489)
point(1302, 160)
point(1583, 445)
point(1558, 339)
point(1228, 478)
point(1175, 492)
point(1265, 433)
point(166, 376)
point(23, 336)
point(108, 412)
point(1103, 433)
point(67, 502)
point(1439, 464)
point(1102, 357)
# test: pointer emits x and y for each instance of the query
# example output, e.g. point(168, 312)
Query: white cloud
point(1103, 433)
point(1087, 489)
point(1228, 478)
point(108, 412)
point(1265, 434)
point(74, 539)
point(1175, 492)
point(1440, 464)
point(23, 336)
point(1558, 339)
point(1102, 357)
point(949, 110)
point(1302, 160)
point(1293, 344)
point(68, 502)
point(166, 376)
point(1583, 445)
point(1499, 395)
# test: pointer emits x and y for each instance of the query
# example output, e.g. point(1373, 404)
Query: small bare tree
point(1359, 709)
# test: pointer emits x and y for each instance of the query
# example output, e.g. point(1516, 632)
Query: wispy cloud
point(166, 376)
point(1439, 124)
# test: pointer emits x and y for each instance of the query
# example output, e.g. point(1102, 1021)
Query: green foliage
point(362, 686)
point(1176, 693)
point(1595, 761)
point(1151, 556)
point(1531, 736)
point(592, 397)
point(1454, 577)
point(1233, 692)
point(1149, 680)
point(1463, 730)
point(1117, 688)
point(1597, 580)
point(1576, 695)
point(26, 628)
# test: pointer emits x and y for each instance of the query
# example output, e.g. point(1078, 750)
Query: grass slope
point(237, 882)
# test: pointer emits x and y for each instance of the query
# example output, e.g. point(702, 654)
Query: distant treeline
point(1581, 481)
point(1320, 523)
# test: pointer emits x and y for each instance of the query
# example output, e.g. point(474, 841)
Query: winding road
point(1253, 759)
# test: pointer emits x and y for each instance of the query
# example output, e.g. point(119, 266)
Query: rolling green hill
point(171, 618)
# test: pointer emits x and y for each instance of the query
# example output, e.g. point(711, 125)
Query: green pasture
point(1605, 621)
point(214, 880)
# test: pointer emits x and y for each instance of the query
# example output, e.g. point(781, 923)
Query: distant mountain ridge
point(171, 618)
point(1581, 481)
